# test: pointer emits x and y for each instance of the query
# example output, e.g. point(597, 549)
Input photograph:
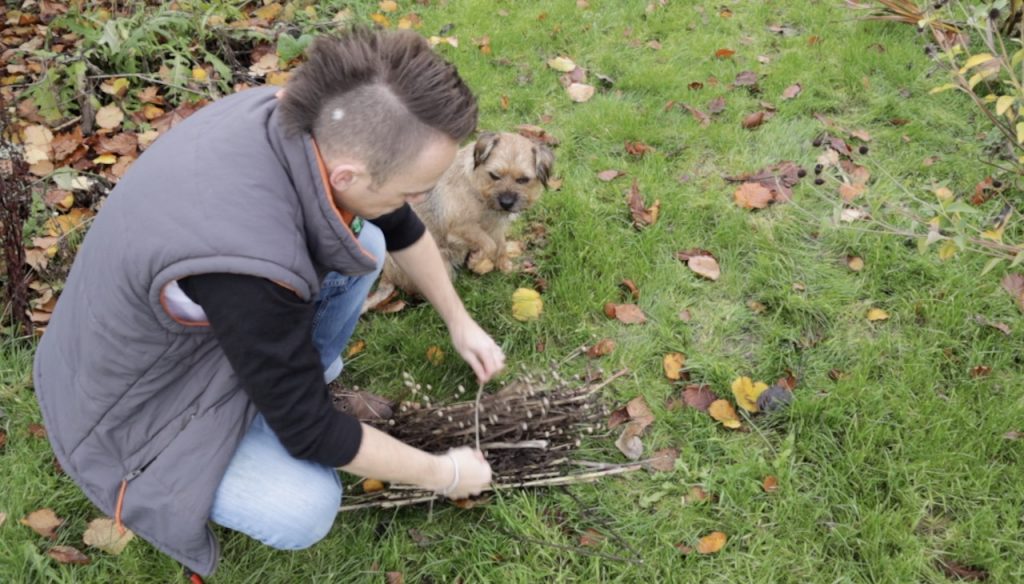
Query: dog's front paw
point(479, 263)
point(505, 264)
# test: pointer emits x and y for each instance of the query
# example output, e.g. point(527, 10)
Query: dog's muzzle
point(507, 200)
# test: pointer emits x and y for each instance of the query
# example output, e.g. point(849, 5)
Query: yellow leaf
point(404, 23)
point(388, 6)
point(563, 64)
point(62, 224)
point(1003, 103)
point(435, 355)
point(876, 314)
point(673, 365)
point(723, 411)
point(979, 77)
point(993, 234)
point(1015, 60)
point(947, 250)
point(747, 392)
point(356, 348)
point(152, 112)
point(944, 194)
point(942, 88)
point(279, 78)
point(104, 534)
point(526, 304)
point(268, 12)
point(855, 263)
point(975, 60)
point(711, 543)
point(381, 20)
point(372, 486)
point(105, 159)
point(1020, 132)
point(199, 74)
point(310, 11)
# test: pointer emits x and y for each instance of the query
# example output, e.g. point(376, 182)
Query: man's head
point(376, 103)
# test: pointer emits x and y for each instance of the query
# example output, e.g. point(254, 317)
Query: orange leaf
point(711, 543)
point(629, 314)
point(724, 53)
point(751, 195)
point(723, 411)
point(673, 364)
point(602, 348)
point(771, 484)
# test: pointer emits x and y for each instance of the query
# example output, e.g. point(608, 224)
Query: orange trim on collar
point(344, 216)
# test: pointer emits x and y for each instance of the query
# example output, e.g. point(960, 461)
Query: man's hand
point(477, 348)
point(471, 477)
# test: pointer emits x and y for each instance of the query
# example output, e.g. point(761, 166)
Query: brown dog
point(485, 188)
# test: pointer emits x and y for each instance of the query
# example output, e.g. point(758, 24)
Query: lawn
point(892, 457)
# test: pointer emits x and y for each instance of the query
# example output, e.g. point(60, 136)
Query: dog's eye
point(494, 176)
point(523, 180)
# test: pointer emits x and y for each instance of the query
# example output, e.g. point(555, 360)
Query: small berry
point(997, 184)
point(801, 173)
point(994, 14)
point(818, 168)
point(863, 150)
point(819, 181)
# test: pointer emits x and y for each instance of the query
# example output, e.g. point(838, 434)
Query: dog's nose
point(507, 200)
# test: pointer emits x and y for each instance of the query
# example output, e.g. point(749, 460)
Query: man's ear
point(345, 175)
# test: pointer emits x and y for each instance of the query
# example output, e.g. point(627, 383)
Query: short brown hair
point(378, 96)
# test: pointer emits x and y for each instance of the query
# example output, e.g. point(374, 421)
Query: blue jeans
point(267, 494)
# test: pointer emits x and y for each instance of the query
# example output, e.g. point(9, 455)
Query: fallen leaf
point(116, 87)
point(629, 314)
point(44, 522)
point(637, 148)
point(388, 6)
point(792, 91)
point(960, 572)
point(631, 286)
point(394, 578)
point(980, 371)
point(699, 397)
point(617, 418)
point(642, 216)
point(537, 134)
point(697, 494)
point(663, 460)
point(629, 442)
point(778, 178)
point(355, 348)
point(639, 412)
point(563, 64)
point(745, 79)
point(851, 214)
point(1014, 285)
point(602, 348)
point(591, 538)
point(580, 92)
point(105, 159)
point(850, 192)
point(37, 430)
point(609, 175)
point(752, 195)
point(102, 533)
point(65, 554)
point(109, 117)
point(711, 543)
point(702, 118)
point(362, 405)
point(1002, 327)
point(685, 315)
point(372, 486)
point(673, 364)
point(706, 266)
point(755, 119)
point(855, 263)
point(876, 314)
point(770, 484)
point(684, 549)
point(747, 392)
point(435, 356)
point(723, 411)
point(269, 12)
point(1011, 435)
point(724, 53)
point(526, 304)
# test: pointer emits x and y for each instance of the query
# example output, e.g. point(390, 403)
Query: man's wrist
point(441, 473)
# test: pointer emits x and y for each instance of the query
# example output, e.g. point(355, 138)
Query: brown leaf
point(44, 522)
point(663, 460)
point(695, 85)
point(67, 555)
point(537, 134)
point(850, 192)
point(1011, 435)
point(591, 538)
point(751, 195)
point(770, 484)
point(716, 106)
point(629, 442)
point(631, 286)
point(697, 494)
point(609, 309)
point(37, 430)
point(637, 148)
point(1014, 285)
point(609, 175)
point(602, 348)
point(684, 549)
point(702, 118)
point(711, 543)
point(755, 119)
point(173, 118)
point(699, 397)
point(685, 315)
point(363, 404)
point(3, 443)
point(861, 135)
point(792, 91)
point(580, 92)
point(779, 178)
point(983, 191)
point(960, 572)
point(706, 266)
point(980, 371)
point(394, 578)
point(745, 79)
point(104, 534)
point(123, 143)
point(724, 53)
point(629, 314)
point(642, 216)
point(617, 418)
point(1002, 327)
point(109, 117)
point(639, 412)
point(65, 144)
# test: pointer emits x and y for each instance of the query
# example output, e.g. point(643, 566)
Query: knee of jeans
point(372, 240)
point(312, 519)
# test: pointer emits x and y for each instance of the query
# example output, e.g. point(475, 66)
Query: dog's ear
point(484, 146)
point(543, 159)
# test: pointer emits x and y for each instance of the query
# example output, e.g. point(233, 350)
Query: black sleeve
point(401, 228)
point(266, 333)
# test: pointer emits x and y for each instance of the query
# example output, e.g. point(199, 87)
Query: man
point(182, 376)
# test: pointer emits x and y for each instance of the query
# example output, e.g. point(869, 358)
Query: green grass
point(900, 462)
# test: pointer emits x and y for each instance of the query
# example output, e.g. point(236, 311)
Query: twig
point(569, 548)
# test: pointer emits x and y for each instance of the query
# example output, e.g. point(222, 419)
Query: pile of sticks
point(529, 431)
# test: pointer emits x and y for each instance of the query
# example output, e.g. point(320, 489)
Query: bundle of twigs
point(529, 431)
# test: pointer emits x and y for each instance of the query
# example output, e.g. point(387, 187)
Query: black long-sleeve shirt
point(265, 331)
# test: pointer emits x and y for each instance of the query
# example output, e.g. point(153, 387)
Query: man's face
point(354, 191)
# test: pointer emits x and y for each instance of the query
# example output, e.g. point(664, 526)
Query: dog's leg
point(478, 243)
